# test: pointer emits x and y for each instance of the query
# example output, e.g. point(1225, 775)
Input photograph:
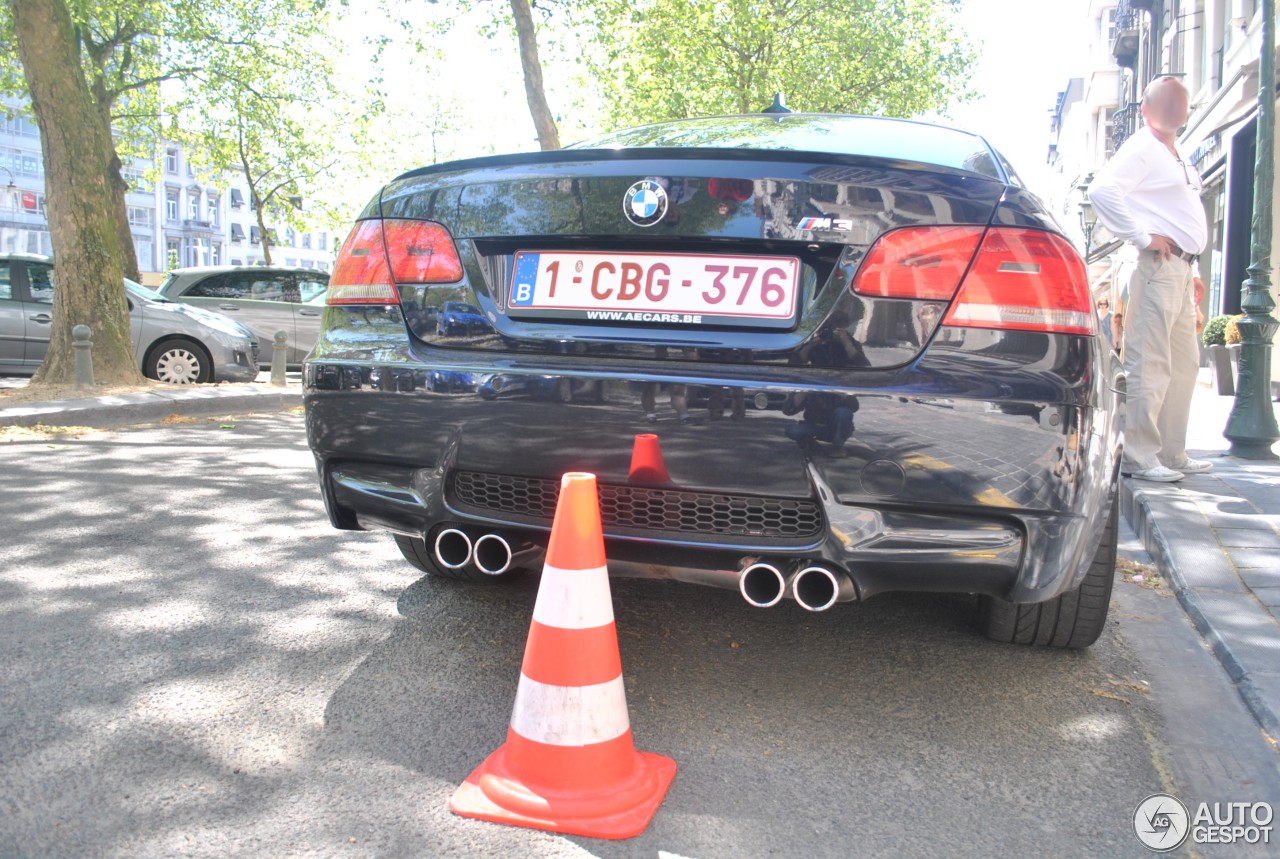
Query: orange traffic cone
point(569, 764)
point(646, 460)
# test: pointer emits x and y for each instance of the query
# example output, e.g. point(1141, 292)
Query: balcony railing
point(1123, 123)
point(1125, 45)
point(198, 225)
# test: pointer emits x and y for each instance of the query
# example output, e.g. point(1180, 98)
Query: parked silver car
point(265, 299)
point(174, 343)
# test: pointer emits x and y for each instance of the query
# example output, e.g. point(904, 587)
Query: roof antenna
point(778, 106)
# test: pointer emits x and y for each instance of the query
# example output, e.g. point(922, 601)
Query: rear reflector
point(923, 263)
point(1025, 280)
point(379, 254)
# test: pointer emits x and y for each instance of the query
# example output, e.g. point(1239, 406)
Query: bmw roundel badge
point(645, 203)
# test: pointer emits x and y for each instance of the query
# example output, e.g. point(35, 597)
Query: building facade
point(177, 217)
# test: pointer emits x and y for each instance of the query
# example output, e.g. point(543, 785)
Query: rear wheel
point(179, 362)
point(418, 553)
point(1074, 619)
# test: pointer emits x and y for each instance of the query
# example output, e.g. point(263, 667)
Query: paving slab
point(1260, 577)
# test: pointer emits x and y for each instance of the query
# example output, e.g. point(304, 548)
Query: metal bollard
point(82, 341)
point(278, 349)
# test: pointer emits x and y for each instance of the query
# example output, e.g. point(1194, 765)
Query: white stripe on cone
point(570, 715)
point(573, 599)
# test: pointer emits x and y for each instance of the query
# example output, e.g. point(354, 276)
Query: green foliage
point(181, 69)
point(281, 122)
point(666, 59)
point(1215, 331)
point(1232, 333)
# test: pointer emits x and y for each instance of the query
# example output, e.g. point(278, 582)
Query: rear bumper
point(934, 493)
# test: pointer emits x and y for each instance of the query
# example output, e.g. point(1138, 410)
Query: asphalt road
point(192, 663)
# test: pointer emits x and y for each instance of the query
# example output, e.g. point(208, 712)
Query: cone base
point(624, 810)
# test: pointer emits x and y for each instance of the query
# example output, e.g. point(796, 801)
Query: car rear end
point(868, 356)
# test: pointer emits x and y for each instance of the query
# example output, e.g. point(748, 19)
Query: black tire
point(180, 362)
point(418, 553)
point(1074, 619)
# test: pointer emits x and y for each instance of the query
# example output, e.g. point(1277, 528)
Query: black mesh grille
point(645, 509)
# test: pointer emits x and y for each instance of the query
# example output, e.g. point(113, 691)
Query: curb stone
point(125, 409)
point(1137, 509)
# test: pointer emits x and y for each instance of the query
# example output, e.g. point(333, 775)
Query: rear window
point(895, 139)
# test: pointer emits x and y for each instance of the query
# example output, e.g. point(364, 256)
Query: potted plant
point(1233, 339)
point(1214, 337)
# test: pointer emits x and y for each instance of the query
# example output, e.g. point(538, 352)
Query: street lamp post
point(10, 190)
point(1252, 428)
point(1088, 220)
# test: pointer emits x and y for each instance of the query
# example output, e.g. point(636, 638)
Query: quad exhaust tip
point(815, 588)
point(453, 549)
point(762, 585)
point(492, 554)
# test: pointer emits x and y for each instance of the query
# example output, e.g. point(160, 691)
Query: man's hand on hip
point(1163, 245)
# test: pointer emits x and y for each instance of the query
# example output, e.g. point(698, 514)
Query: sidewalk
point(111, 411)
point(1216, 539)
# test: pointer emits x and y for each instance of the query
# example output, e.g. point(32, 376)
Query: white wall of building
point(179, 214)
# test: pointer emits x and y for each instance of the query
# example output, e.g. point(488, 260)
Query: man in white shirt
point(1149, 195)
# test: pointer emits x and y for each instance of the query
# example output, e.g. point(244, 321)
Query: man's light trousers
point(1161, 359)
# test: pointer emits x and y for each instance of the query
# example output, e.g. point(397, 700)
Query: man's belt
point(1178, 252)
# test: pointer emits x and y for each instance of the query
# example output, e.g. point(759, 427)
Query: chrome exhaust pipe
point(762, 585)
point(492, 555)
point(453, 549)
point(815, 588)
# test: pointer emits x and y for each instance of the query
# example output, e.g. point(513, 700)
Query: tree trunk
point(88, 288)
point(548, 136)
point(255, 200)
point(120, 212)
point(115, 181)
point(259, 205)
point(263, 235)
point(266, 237)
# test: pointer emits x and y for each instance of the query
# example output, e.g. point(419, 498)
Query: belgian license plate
point(680, 289)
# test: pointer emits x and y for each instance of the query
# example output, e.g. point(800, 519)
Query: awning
point(237, 233)
point(254, 236)
point(237, 199)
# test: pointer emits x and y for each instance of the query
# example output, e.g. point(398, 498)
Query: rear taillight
point(924, 263)
point(1025, 280)
point(1004, 277)
point(361, 274)
point(380, 254)
point(421, 252)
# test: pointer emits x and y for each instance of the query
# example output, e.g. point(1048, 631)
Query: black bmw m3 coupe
point(811, 358)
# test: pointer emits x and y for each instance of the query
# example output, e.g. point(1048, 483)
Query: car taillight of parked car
point(381, 253)
point(1006, 278)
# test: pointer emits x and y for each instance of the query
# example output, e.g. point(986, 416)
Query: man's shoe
point(1193, 466)
point(1157, 473)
